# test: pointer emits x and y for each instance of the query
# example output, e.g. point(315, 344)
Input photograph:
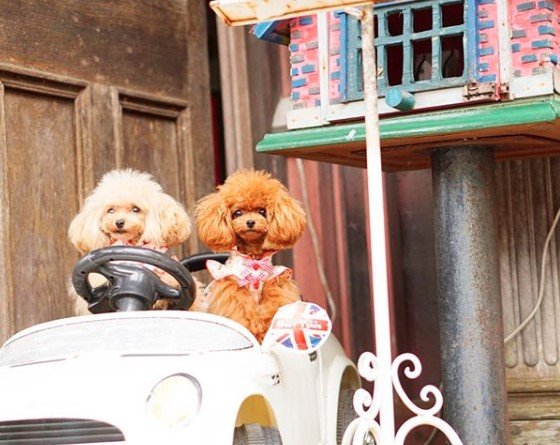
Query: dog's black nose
point(250, 223)
point(119, 223)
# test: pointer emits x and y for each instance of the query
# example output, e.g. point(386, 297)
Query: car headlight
point(175, 400)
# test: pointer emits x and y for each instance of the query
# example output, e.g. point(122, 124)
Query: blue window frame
point(421, 45)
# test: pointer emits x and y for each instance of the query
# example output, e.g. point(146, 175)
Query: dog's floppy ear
point(213, 222)
point(287, 221)
point(167, 223)
point(85, 232)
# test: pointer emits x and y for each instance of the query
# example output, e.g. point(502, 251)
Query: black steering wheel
point(130, 284)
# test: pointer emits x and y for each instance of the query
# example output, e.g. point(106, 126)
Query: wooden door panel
point(134, 44)
point(42, 197)
point(155, 140)
point(90, 86)
point(151, 144)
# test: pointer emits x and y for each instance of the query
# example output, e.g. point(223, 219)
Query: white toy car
point(166, 377)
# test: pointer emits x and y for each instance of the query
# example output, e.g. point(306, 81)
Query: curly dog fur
point(128, 207)
point(251, 214)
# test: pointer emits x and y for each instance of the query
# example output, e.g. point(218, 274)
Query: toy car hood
point(92, 367)
point(126, 332)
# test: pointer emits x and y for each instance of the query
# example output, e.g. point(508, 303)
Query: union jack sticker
point(299, 326)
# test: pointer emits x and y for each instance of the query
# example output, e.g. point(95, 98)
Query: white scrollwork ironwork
point(367, 405)
point(362, 432)
point(436, 422)
point(366, 430)
point(414, 372)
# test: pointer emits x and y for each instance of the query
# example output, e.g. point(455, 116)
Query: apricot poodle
point(252, 216)
point(130, 208)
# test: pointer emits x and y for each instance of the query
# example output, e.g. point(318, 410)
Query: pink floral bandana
point(248, 271)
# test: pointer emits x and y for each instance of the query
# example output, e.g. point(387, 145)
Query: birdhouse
point(449, 72)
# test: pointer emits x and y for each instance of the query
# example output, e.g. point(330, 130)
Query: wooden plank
point(329, 240)
point(32, 80)
point(106, 137)
point(304, 256)
point(238, 133)
point(523, 232)
point(534, 406)
point(6, 289)
point(344, 258)
point(246, 12)
point(134, 44)
point(355, 193)
point(249, 96)
point(544, 432)
point(547, 317)
point(508, 272)
point(265, 93)
point(190, 177)
point(41, 166)
point(197, 125)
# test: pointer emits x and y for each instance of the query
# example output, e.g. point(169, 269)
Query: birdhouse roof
point(277, 31)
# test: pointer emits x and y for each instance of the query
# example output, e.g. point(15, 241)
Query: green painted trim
point(416, 125)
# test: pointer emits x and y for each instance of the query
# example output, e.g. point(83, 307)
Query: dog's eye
point(111, 210)
point(136, 209)
point(262, 212)
point(237, 214)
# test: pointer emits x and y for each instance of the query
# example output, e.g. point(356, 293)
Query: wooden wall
point(86, 87)
point(529, 193)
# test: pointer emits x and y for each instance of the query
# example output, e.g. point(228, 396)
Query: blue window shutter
point(453, 46)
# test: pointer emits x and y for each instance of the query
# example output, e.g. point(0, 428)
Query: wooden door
point(87, 86)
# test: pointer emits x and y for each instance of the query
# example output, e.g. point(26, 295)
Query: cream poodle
point(129, 208)
point(253, 216)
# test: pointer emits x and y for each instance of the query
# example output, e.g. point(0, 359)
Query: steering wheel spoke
point(131, 284)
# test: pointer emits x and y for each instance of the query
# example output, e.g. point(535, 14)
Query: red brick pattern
point(304, 58)
point(534, 43)
point(488, 69)
point(334, 58)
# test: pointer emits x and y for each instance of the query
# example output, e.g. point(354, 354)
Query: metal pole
point(470, 311)
point(378, 251)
